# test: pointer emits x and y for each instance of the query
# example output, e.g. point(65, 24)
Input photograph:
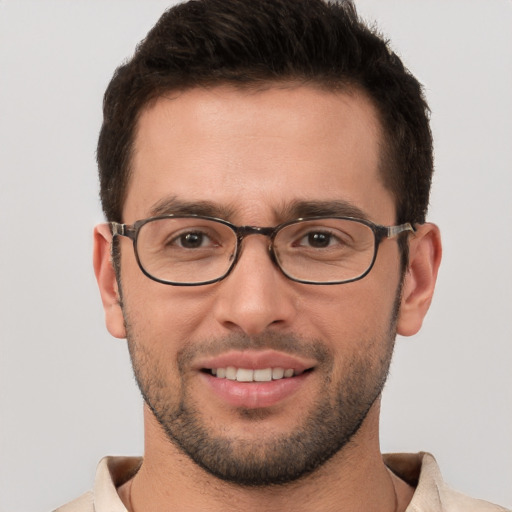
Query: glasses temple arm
point(396, 230)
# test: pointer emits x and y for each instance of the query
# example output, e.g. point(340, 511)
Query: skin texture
point(254, 156)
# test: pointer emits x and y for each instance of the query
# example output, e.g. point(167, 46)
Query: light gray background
point(67, 396)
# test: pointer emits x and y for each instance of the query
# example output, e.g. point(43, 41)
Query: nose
point(255, 296)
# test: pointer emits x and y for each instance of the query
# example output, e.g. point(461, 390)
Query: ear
point(420, 278)
point(107, 282)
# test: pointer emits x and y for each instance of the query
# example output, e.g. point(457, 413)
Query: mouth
point(254, 375)
point(255, 379)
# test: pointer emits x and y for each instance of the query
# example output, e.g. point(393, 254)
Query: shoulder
point(111, 473)
point(432, 494)
point(452, 500)
point(84, 503)
point(455, 501)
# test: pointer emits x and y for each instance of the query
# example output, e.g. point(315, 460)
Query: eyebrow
point(293, 210)
point(335, 208)
point(173, 205)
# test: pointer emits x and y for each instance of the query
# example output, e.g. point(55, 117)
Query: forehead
point(255, 152)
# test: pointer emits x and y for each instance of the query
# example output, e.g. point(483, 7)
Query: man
point(265, 170)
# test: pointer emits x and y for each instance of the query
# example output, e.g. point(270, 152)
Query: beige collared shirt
point(420, 470)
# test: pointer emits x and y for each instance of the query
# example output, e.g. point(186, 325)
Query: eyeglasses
point(195, 250)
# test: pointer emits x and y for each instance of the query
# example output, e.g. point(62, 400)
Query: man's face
point(260, 159)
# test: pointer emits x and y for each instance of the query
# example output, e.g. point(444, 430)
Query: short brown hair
point(248, 43)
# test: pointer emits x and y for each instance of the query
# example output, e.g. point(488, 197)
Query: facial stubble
point(328, 427)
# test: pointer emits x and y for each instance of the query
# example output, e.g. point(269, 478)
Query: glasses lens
point(186, 250)
point(325, 250)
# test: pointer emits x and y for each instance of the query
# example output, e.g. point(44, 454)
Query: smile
point(250, 375)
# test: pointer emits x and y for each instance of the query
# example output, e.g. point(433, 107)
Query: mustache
point(282, 342)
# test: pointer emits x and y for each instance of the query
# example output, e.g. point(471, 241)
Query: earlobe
point(107, 282)
point(420, 278)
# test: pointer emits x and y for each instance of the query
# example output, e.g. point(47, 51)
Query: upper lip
point(255, 360)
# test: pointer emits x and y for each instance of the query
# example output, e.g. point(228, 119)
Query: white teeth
point(277, 373)
point(248, 375)
point(243, 375)
point(231, 373)
point(263, 375)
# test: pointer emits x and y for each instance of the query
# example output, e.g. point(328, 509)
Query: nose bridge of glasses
point(244, 231)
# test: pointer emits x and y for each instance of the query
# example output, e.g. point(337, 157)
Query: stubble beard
point(325, 430)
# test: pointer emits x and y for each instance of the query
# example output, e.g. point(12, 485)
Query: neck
point(355, 479)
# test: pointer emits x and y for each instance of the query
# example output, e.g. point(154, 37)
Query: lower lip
point(255, 395)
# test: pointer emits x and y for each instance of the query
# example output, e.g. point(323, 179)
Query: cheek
point(359, 329)
point(165, 317)
point(349, 313)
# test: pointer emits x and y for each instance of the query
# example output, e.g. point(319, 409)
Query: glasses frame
point(379, 232)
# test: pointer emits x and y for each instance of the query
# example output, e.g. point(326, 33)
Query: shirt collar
point(419, 470)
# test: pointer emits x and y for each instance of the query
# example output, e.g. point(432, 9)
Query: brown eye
point(191, 240)
point(319, 239)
